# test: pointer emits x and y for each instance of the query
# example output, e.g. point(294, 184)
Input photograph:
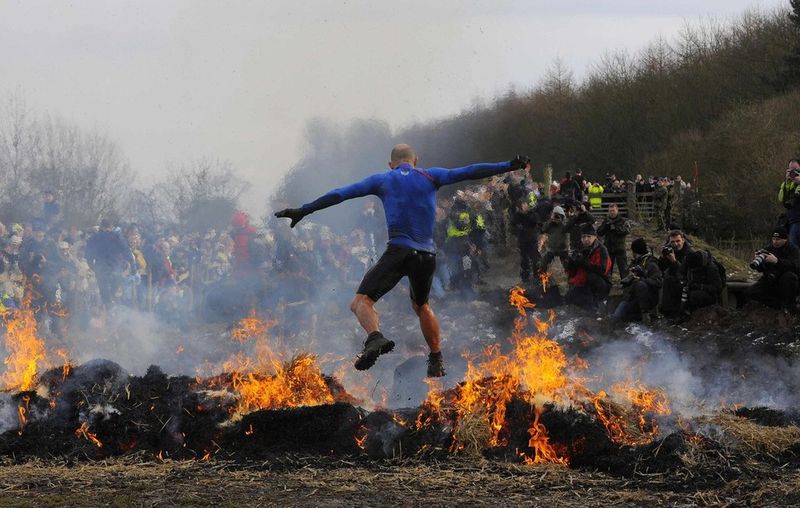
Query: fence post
point(548, 180)
point(633, 211)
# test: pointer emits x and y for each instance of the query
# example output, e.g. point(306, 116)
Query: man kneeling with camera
point(589, 270)
point(641, 285)
point(779, 262)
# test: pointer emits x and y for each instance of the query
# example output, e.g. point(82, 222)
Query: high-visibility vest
point(786, 190)
point(463, 228)
point(532, 199)
point(595, 196)
point(480, 222)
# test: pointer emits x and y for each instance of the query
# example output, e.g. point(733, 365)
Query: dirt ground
point(316, 481)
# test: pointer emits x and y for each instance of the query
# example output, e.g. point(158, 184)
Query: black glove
point(296, 214)
point(519, 162)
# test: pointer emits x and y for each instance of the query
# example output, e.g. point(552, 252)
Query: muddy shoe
point(375, 346)
point(435, 365)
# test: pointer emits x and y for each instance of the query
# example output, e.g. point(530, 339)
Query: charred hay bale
point(768, 417)
point(577, 435)
point(383, 433)
point(322, 429)
point(95, 383)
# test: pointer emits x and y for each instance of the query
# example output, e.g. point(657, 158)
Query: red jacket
point(595, 260)
point(241, 250)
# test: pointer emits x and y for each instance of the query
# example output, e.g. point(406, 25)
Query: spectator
point(789, 197)
point(779, 263)
point(671, 262)
point(557, 245)
point(614, 229)
point(526, 226)
point(641, 286)
point(588, 270)
point(108, 256)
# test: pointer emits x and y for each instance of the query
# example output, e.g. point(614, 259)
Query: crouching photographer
point(589, 270)
point(671, 262)
point(641, 286)
point(702, 283)
point(779, 262)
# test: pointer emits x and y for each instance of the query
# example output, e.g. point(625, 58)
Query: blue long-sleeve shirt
point(409, 198)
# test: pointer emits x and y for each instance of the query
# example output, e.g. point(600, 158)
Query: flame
point(271, 377)
point(250, 431)
point(632, 424)
point(83, 431)
point(66, 368)
point(361, 441)
point(544, 278)
point(22, 413)
point(537, 371)
point(543, 451)
point(26, 351)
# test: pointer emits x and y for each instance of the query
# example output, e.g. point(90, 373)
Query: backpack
point(720, 268)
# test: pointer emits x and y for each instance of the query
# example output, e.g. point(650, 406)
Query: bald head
point(403, 153)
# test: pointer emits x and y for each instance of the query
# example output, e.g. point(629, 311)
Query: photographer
point(556, 231)
point(580, 215)
point(780, 264)
point(789, 197)
point(614, 229)
point(641, 285)
point(702, 283)
point(673, 255)
point(588, 270)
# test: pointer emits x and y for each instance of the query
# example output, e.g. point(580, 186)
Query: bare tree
point(202, 194)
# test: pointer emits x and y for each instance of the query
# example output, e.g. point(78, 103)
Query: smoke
point(694, 374)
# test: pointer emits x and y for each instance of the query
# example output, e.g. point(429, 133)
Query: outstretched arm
point(444, 176)
point(369, 185)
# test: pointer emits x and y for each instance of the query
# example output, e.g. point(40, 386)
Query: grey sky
point(236, 80)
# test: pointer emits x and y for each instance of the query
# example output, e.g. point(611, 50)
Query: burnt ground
point(314, 481)
point(280, 465)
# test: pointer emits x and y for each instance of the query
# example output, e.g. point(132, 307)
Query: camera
point(628, 280)
point(667, 250)
point(794, 173)
point(638, 271)
point(758, 261)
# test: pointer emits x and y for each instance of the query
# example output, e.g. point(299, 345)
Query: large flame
point(26, 352)
point(537, 371)
point(272, 376)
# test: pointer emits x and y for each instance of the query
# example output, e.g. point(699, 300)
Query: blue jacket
point(409, 198)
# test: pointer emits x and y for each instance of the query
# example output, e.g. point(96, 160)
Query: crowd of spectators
point(72, 277)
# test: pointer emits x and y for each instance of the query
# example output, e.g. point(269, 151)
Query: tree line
point(720, 97)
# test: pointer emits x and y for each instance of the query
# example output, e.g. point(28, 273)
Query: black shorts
point(396, 263)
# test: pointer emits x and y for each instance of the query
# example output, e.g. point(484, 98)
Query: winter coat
point(526, 226)
point(704, 278)
point(556, 232)
point(789, 197)
point(107, 251)
point(595, 259)
point(614, 232)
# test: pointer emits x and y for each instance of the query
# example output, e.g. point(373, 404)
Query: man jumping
point(408, 194)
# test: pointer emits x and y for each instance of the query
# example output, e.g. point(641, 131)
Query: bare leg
point(364, 309)
point(429, 325)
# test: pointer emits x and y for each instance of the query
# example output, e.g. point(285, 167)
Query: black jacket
point(526, 226)
point(788, 259)
point(705, 277)
point(614, 232)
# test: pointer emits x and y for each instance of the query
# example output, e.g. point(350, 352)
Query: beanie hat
point(780, 232)
point(588, 229)
point(639, 246)
point(557, 210)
